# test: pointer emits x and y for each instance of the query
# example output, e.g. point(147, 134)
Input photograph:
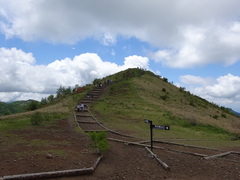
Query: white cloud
point(20, 78)
point(186, 34)
point(223, 91)
point(136, 61)
point(196, 80)
point(202, 46)
point(227, 86)
point(108, 39)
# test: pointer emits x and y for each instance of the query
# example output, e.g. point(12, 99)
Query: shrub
point(164, 90)
point(165, 80)
point(165, 97)
point(182, 89)
point(99, 141)
point(191, 103)
point(36, 119)
point(224, 115)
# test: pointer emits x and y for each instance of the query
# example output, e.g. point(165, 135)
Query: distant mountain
point(236, 113)
point(13, 107)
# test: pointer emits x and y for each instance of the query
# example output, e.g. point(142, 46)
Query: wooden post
point(218, 155)
point(151, 136)
point(164, 165)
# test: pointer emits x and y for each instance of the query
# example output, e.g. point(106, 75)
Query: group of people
point(80, 107)
point(100, 85)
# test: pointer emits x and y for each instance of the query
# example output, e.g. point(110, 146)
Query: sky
point(45, 44)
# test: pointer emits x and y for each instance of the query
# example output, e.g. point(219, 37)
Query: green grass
point(14, 124)
point(21, 122)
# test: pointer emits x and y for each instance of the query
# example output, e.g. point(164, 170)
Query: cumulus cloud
point(223, 91)
point(21, 78)
point(196, 80)
point(186, 34)
point(203, 45)
point(136, 61)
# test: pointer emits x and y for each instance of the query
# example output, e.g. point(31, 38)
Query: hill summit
point(137, 94)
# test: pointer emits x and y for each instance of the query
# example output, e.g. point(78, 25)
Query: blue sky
point(48, 44)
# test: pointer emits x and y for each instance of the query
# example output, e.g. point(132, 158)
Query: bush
point(182, 89)
point(165, 80)
point(33, 105)
point(191, 103)
point(165, 97)
point(99, 141)
point(36, 119)
point(224, 115)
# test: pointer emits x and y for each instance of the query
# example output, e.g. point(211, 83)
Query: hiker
point(82, 107)
point(100, 85)
point(78, 107)
point(109, 81)
point(89, 95)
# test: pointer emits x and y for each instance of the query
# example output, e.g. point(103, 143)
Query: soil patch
point(42, 149)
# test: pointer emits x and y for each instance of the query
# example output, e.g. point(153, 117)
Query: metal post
point(151, 134)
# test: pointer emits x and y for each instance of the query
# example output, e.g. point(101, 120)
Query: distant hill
point(237, 113)
point(13, 107)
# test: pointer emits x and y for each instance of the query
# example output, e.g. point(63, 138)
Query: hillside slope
point(136, 95)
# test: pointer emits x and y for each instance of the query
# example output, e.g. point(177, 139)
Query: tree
point(50, 98)
point(33, 105)
point(44, 101)
point(68, 90)
point(99, 141)
point(60, 91)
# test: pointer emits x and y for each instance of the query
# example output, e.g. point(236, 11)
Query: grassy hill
point(137, 95)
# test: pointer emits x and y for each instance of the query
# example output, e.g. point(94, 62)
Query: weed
point(36, 119)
